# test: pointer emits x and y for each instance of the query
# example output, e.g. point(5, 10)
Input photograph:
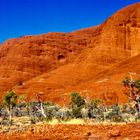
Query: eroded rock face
point(58, 63)
point(118, 37)
point(24, 58)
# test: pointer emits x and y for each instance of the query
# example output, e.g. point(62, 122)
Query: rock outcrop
point(56, 64)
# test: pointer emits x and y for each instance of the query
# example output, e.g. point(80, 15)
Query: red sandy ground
point(129, 131)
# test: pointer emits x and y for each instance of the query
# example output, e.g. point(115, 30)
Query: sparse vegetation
point(77, 103)
point(80, 109)
point(133, 88)
point(9, 102)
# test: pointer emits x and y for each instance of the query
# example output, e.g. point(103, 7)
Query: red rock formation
point(24, 58)
point(58, 63)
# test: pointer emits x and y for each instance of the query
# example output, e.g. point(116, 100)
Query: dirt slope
point(60, 63)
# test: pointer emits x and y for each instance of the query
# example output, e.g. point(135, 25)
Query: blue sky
point(26, 17)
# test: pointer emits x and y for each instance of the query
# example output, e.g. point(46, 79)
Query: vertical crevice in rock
point(128, 38)
point(125, 38)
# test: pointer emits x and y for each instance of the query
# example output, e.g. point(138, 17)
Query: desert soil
point(129, 131)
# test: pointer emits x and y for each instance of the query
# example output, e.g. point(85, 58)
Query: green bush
point(9, 101)
point(77, 100)
point(77, 103)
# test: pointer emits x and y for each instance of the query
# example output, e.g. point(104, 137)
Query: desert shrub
point(77, 100)
point(5, 122)
point(51, 112)
point(129, 109)
point(133, 87)
point(35, 112)
point(126, 81)
point(99, 113)
point(33, 120)
point(9, 101)
point(63, 114)
point(17, 112)
point(114, 114)
point(85, 112)
point(79, 108)
point(4, 117)
point(48, 104)
point(111, 113)
point(92, 105)
point(132, 110)
point(137, 84)
point(76, 112)
point(77, 103)
point(117, 118)
point(1, 110)
point(125, 109)
point(53, 109)
point(49, 115)
point(28, 109)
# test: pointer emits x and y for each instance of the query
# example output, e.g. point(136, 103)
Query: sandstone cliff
point(90, 60)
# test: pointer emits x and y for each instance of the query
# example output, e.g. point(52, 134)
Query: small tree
point(126, 82)
point(133, 86)
point(77, 103)
point(9, 101)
